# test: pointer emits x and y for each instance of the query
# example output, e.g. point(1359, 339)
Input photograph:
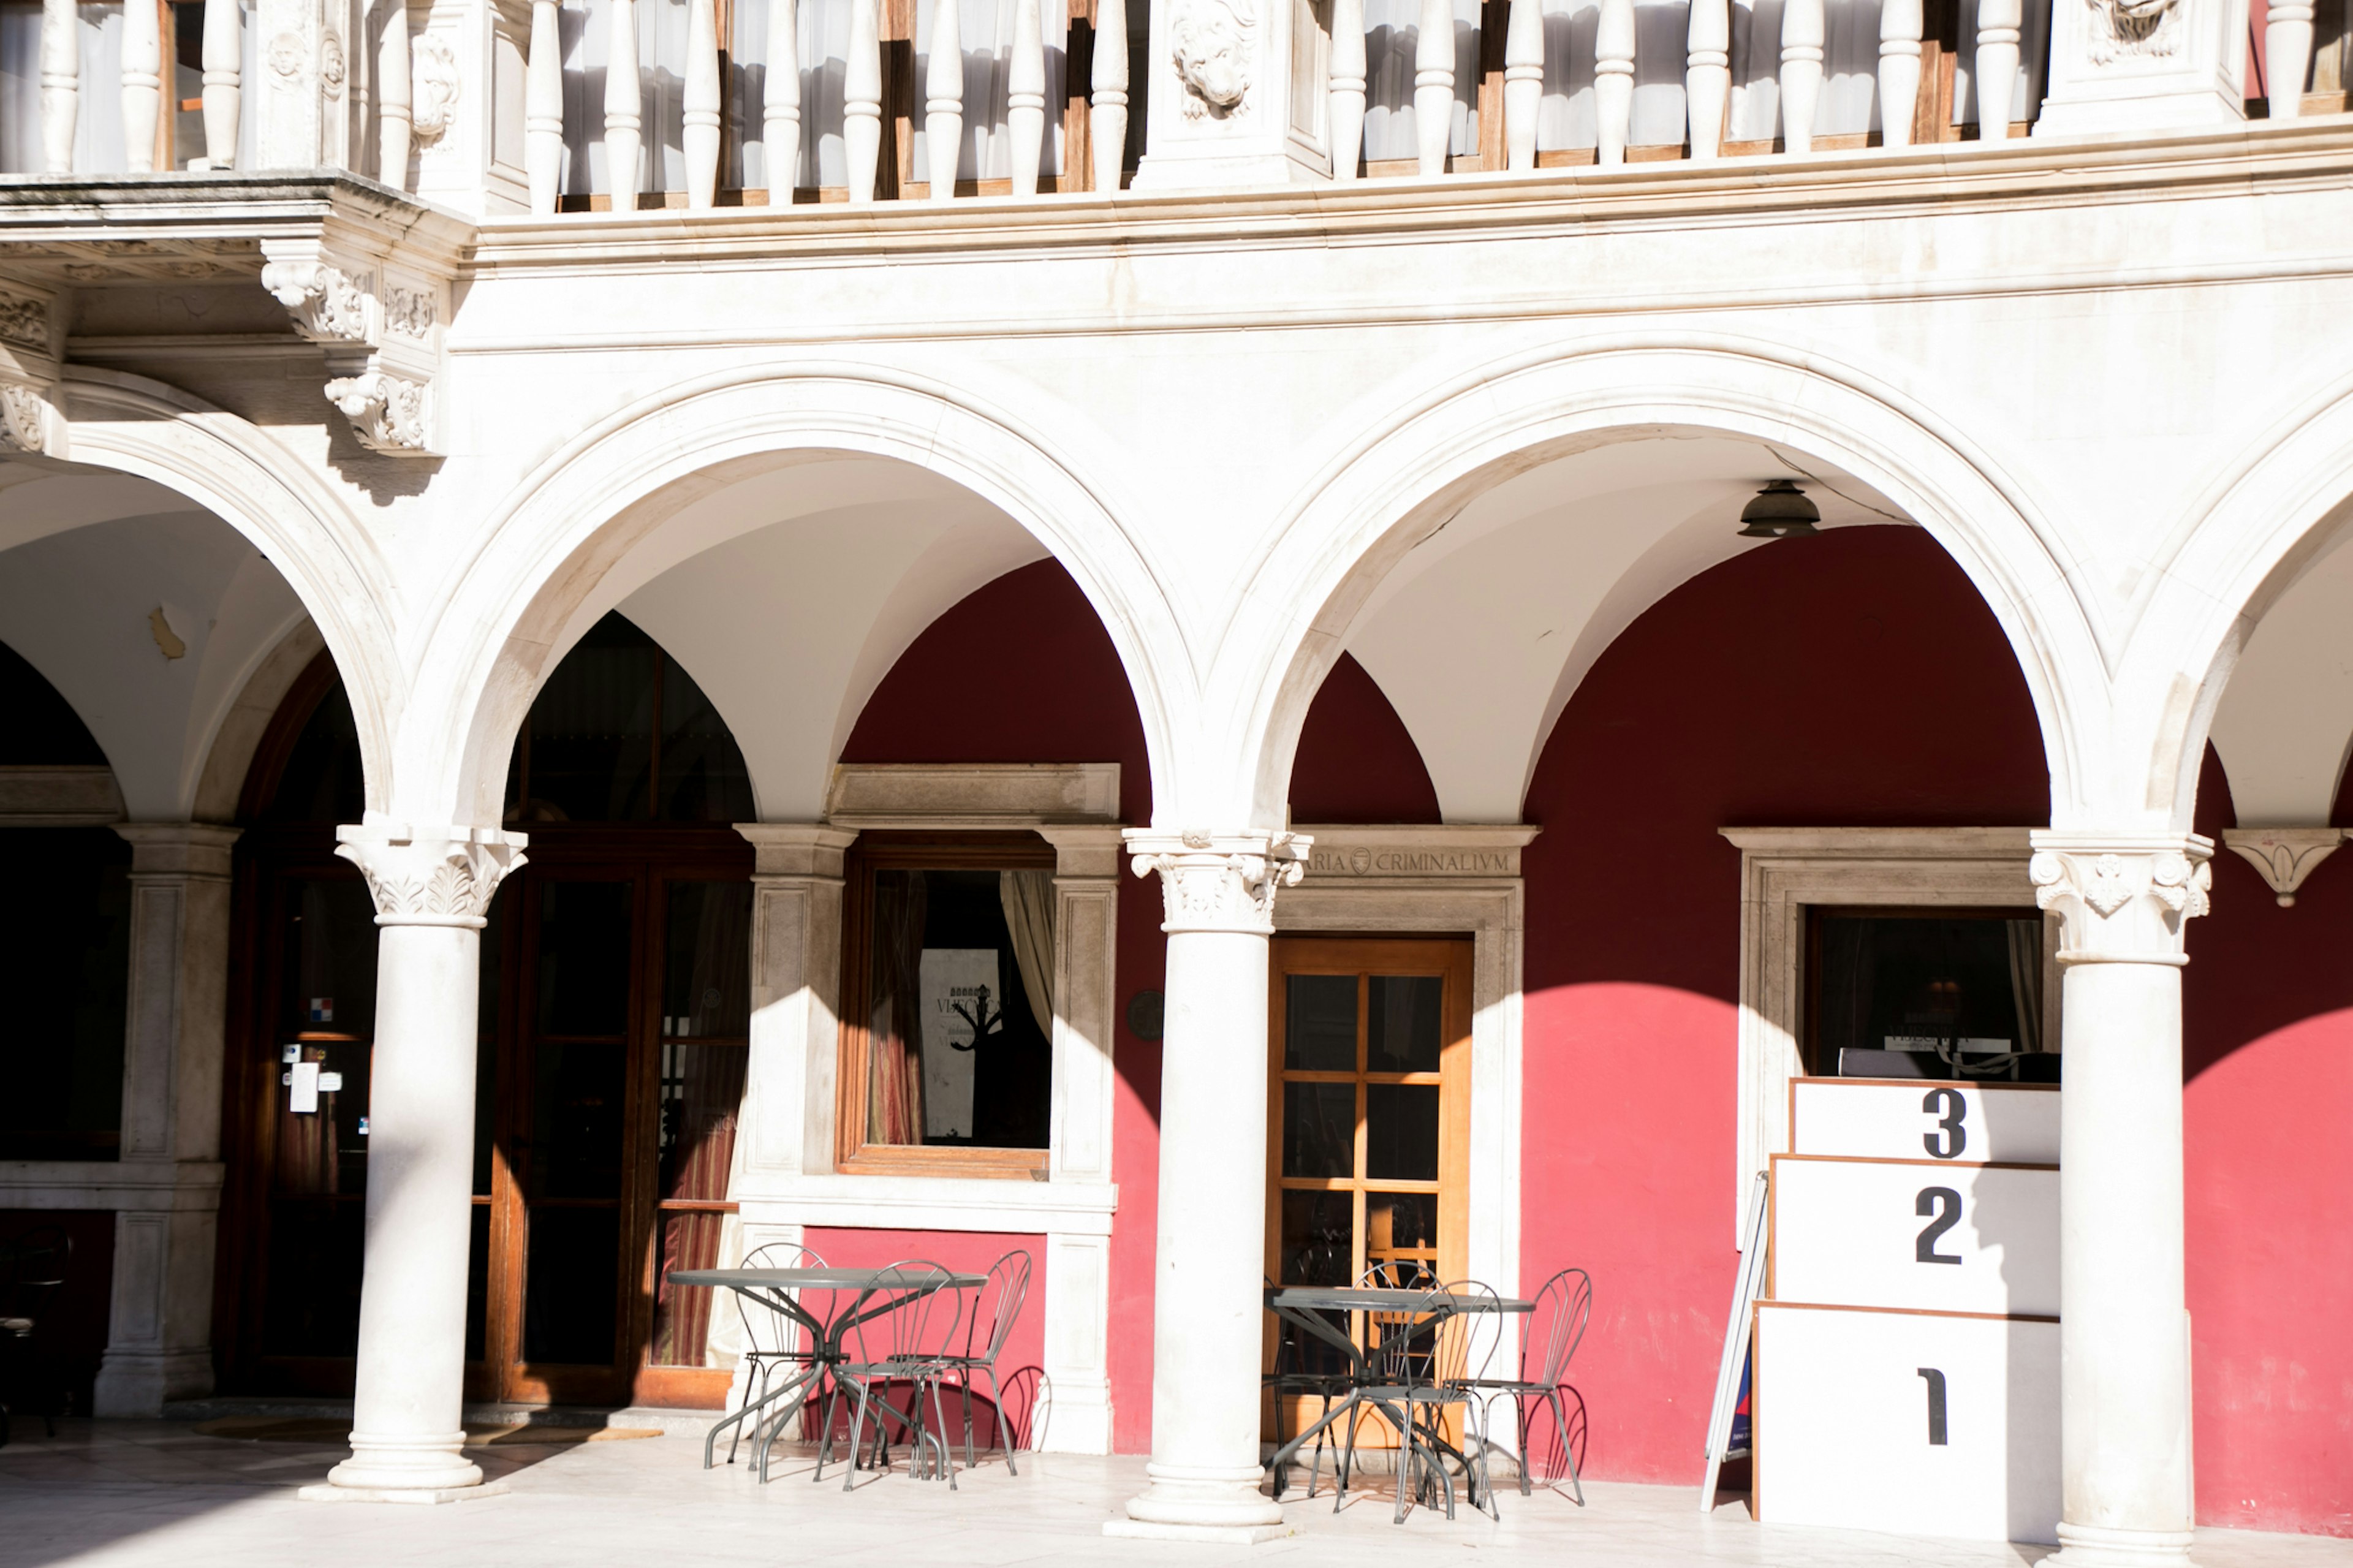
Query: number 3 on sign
point(1950, 1138)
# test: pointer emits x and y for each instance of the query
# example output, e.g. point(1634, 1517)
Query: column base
point(402, 1469)
point(2099, 1546)
point(139, 1382)
point(1213, 1505)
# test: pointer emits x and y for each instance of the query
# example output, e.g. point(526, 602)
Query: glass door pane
point(705, 1042)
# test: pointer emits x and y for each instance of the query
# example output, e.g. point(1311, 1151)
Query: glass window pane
point(1941, 996)
point(576, 1146)
point(65, 956)
point(702, 1093)
point(957, 1053)
point(592, 730)
point(1319, 1129)
point(682, 1315)
point(1320, 1022)
point(1318, 1234)
point(1399, 1224)
point(568, 1289)
point(584, 958)
point(1404, 1026)
point(706, 960)
point(1401, 1132)
point(704, 776)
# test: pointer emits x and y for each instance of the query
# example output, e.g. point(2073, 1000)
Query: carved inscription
point(1363, 861)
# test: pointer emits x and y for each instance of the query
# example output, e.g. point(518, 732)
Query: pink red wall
point(2267, 1015)
point(1851, 678)
point(1021, 672)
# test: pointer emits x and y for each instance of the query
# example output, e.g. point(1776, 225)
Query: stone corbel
point(28, 422)
point(379, 322)
point(2283, 856)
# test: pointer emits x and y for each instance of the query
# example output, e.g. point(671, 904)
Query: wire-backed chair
point(1292, 1375)
point(1549, 1339)
point(1427, 1360)
point(896, 1332)
point(998, 1303)
point(779, 1344)
point(32, 1271)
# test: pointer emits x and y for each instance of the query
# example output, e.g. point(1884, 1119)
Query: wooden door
point(1369, 1114)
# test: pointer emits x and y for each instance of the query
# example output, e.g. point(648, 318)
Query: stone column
point(159, 1334)
point(1208, 1321)
point(795, 992)
point(432, 889)
point(2124, 1328)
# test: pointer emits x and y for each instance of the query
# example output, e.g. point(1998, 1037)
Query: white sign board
point(960, 992)
point(1916, 1424)
point(1933, 1235)
point(1883, 1119)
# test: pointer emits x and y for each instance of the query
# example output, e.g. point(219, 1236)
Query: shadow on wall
point(2267, 1018)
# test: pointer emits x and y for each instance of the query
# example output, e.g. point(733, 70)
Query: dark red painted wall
point(1853, 679)
point(1021, 672)
point(2267, 1018)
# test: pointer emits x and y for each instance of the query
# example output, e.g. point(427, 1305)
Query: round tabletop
point(1367, 1298)
point(821, 1279)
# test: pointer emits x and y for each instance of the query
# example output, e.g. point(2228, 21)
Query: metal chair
point(894, 1334)
point(779, 1343)
point(1009, 1280)
point(1292, 1376)
point(1549, 1339)
point(1425, 1360)
point(32, 1271)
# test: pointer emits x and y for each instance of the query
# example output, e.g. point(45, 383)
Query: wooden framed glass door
point(1369, 1113)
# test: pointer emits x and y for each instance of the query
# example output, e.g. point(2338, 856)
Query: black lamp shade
point(1780, 511)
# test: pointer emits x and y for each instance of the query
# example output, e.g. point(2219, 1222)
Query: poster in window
point(962, 1002)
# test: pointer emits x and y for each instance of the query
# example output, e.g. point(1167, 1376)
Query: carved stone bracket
point(431, 876)
point(24, 423)
point(2122, 899)
point(379, 321)
point(1220, 881)
point(2284, 856)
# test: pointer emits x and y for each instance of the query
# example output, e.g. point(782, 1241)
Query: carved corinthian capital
point(431, 876)
point(2123, 898)
point(1220, 881)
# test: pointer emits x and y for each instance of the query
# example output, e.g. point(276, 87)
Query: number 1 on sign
point(1935, 1381)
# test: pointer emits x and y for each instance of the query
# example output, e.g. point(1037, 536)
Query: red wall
point(1853, 679)
point(1021, 672)
point(2267, 1018)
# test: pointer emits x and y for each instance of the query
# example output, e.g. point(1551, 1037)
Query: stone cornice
point(1415, 854)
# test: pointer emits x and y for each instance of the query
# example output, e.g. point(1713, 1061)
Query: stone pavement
point(123, 1493)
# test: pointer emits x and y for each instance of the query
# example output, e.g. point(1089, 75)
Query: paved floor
point(122, 1492)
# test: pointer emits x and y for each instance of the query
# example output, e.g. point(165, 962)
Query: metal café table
point(881, 1291)
point(1305, 1306)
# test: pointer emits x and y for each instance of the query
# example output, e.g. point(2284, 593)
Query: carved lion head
point(1210, 41)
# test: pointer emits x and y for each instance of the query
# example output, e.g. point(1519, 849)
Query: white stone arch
point(1373, 501)
point(2243, 541)
point(240, 474)
point(492, 638)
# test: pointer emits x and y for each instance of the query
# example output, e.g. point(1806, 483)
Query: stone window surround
point(786, 1179)
point(1785, 870)
point(1426, 879)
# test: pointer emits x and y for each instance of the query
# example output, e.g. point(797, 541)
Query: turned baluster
point(224, 40)
point(1996, 66)
point(1025, 96)
point(543, 106)
point(1801, 72)
point(1107, 115)
point(943, 98)
point(1707, 74)
point(395, 123)
point(623, 107)
point(861, 99)
point(2287, 56)
point(1613, 79)
point(60, 84)
point(781, 122)
point(1433, 86)
point(1899, 71)
point(142, 83)
point(698, 106)
point(1345, 99)
point(1523, 82)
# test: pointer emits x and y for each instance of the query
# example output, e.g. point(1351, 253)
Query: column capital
point(439, 876)
point(797, 849)
point(2123, 898)
point(1220, 881)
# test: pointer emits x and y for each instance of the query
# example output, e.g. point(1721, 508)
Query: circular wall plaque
point(1143, 1010)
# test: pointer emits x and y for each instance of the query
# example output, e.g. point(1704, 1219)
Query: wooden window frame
point(911, 850)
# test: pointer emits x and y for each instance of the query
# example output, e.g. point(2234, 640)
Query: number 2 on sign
point(1950, 1138)
point(1944, 1206)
